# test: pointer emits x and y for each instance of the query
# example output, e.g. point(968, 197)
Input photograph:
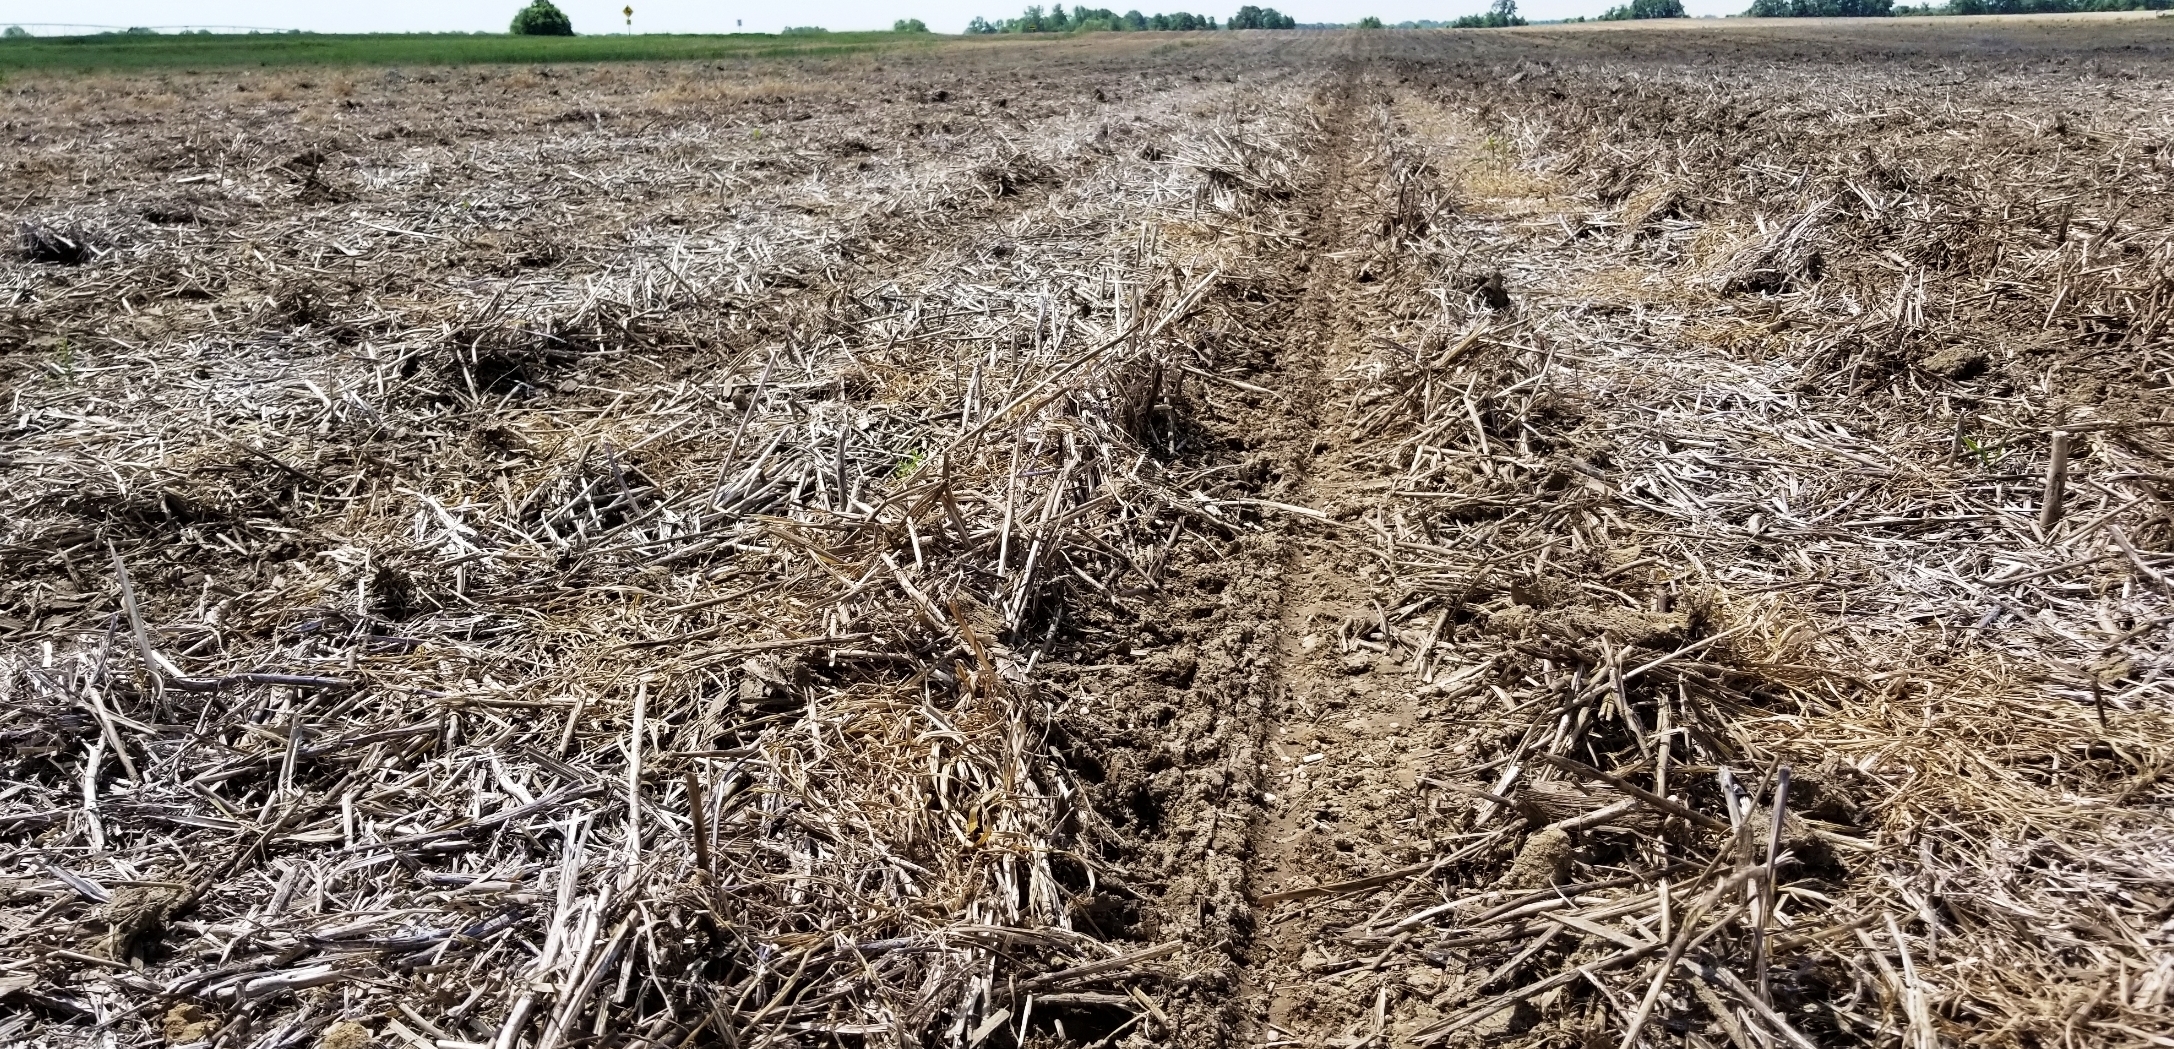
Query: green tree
point(16, 32)
point(1830, 8)
point(1096, 20)
point(1369, 22)
point(1501, 14)
point(1251, 17)
point(909, 25)
point(1101, 20)
point(542, 18)
point(1644, 9)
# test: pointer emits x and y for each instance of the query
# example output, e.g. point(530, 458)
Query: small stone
point(345, 1034)
point(1516, 621)
point(1517, 1019)
point(188, 1022)
point(1956, 362)
point(1541, 862)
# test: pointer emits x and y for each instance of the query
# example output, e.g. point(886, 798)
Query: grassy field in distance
point(124, 52)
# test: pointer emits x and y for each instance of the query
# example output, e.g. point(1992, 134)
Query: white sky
point(706, 16)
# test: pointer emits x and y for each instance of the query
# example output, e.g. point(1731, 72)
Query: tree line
point(1089, 20)
point(1103, 20)
point(1056, 19)
point(1882, 8)
point(542, 18)
point(1502, 13)
point(1499, 15)
point(1644, 9)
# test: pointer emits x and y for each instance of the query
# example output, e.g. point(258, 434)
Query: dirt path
point(1344, 744)
point(1284, 785)
point(1171, 750)
point(1316, 595)
point(1284, 738)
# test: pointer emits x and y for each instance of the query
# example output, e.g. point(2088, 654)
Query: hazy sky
point(693, 16)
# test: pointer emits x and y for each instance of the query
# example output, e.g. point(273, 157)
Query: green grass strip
point(122, 53)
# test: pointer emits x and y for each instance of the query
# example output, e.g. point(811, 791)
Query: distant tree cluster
point(1251, 17)
point(1090, 20)
point(1876, 8)
point(2046, 7)
point(16, 32)
point(909, 25)
point(1500, 14)
point(1644, 9)
point(542, 18)
point(1820, 8)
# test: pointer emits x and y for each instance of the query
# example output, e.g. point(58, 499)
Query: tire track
point(1344, 744)
point(1173, 765)
point(1290, 569)
point(1324, 605)
point(1314, 345)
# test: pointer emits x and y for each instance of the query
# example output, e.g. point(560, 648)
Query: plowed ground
point(1318, 539)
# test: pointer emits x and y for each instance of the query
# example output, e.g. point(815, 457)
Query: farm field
point(1511, 538)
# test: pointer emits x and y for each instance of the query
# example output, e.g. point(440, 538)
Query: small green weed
point(63, 362)
point(1988, 455)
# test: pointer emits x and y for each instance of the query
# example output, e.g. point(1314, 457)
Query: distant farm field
point(1537, 539)
point(122, 53)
